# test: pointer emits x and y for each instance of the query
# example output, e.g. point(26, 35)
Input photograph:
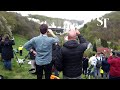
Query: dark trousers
point(20, 52)
point(7, 64)
point(47, 69)
point(56, 72)
point(84, 71)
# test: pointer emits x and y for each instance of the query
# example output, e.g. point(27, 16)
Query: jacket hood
point(71, 44)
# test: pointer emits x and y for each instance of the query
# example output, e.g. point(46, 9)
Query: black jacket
point(7, 49)
point(105, 66)
point(69, 58)
point(55, 50)
point(85, 62)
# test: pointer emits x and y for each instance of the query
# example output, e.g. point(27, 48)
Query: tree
point(4, 27)
point(104, 43)
point(94, 47)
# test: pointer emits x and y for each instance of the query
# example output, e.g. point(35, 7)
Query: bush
point(89, 53)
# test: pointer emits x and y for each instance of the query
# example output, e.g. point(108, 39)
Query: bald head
point(72, 34)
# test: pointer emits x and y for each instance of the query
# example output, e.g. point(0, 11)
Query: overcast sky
point(77, 15)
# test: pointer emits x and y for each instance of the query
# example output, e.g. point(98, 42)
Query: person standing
point(55, 49)
point(70, 56)
point(20, 48)
point(85, 65)
point(43, 46)
point(7, 52)
point(98, 66)
point(114, 61)
point(105, 68)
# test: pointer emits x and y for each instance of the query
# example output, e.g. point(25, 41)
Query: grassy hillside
point(109, 36)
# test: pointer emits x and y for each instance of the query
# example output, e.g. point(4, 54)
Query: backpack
point(99, 63)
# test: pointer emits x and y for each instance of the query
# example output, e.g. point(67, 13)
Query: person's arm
point(82, 40)
point(51, 32)
point(80, 37)
point(33, 51)
point(55, 39)
point(28, 45)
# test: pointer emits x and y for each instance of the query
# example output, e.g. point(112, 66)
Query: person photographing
point(70, 55)
point(43, 54)
point(114, 61)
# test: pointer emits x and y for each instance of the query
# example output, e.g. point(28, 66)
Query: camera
point(116, 53)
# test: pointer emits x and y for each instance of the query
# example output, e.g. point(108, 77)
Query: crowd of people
point(47, 56)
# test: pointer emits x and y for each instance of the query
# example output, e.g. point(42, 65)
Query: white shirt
point(93, 60)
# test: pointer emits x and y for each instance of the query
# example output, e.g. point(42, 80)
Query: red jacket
point(114, 66)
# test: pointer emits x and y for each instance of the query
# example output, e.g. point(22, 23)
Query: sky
point(77, 15)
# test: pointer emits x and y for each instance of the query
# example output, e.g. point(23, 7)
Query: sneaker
point(32, 69)
point(34, 73)
point(10, 69)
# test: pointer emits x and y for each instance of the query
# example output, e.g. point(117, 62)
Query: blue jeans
point(7, 64)
point(97, 74)
point(106, 75)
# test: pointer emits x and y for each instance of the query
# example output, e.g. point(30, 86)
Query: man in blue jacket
point(43, 46)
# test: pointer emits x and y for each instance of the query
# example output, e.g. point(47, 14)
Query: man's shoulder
point(37, 37)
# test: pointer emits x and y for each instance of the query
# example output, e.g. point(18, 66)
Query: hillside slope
point(110, 34)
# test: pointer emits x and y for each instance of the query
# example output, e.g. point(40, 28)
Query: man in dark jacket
point(7, 51)
point(105, 68)
point(70, 56)
point(85, 65)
